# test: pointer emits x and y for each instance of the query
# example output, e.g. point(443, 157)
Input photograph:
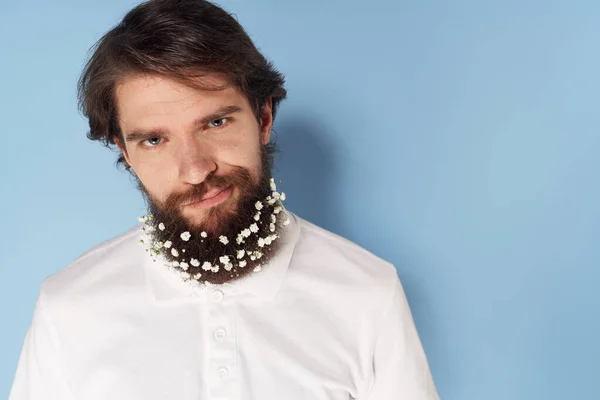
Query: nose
point(195, 163)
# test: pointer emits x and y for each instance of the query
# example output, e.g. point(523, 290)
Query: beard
point(232, 240)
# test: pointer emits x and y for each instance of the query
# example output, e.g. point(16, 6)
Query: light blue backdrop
point(459, 140)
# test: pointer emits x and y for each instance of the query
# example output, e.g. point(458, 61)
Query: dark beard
point(221, 220)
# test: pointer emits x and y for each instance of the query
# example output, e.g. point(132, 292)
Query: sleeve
point(38, 375)
point(400, 369)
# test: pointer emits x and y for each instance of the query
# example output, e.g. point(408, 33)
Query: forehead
point(151, 97)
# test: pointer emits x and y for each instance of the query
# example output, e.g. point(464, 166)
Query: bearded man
point(220, 293)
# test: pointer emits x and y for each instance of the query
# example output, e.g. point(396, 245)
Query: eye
point(152, 142)
point(217, 123)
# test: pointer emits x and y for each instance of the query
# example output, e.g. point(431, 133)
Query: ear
point(123, 150)
point(266, 121)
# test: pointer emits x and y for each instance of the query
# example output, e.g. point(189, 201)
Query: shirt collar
point(166, 285)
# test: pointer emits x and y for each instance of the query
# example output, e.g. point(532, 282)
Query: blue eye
point(152, 142)
point(217, 123)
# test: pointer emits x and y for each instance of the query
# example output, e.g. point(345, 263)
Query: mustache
point(239, 177)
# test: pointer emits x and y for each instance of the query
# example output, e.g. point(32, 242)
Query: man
point(221, 293)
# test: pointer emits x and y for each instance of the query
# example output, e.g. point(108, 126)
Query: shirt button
point(220, 334)
point(217, 296)
point(223, 372)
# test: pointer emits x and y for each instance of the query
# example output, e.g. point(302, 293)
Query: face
point(184, 145)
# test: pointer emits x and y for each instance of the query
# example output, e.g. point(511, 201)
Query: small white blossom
point(276, 195)
point(258, 205)
point(185, 236)
point(277, 210)
point(174, 263)
point(257, 216)
point(258, 254)
point(252, 257)
point(286, 221)
point(143, 218)
point(185, 275)
point(272, 184)
point(268, 240)
point(273, 218)
point(228, 267)
point(261, 242)
point(198, 275)
point(254, 228)
point(240, 254)
point(168, 244)
point(246, 232)
point(195, 262)
point(215, 268)
point(272, 227)
point(239, 239)
point(282, 197)
point(203, 234)
point(184, 266)
point(175, 253)
point(224, 259)
point(223, 239)
point(206, 266)
point(161, 226)
point(242, 263)
point(257, 268)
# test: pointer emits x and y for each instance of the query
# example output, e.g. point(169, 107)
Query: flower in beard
point(233, 218)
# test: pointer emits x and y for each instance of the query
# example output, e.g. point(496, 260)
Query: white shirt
point(324, 320)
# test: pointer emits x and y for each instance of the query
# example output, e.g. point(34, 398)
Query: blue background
point(458, 140)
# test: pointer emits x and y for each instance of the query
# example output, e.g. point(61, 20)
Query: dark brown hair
point(181, 39)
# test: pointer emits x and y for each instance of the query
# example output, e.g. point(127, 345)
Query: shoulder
point(340, 264)
point(104, 263)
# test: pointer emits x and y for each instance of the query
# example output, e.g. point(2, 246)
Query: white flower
point(184, 266)
point(161, 226)
point(272, 227)
point(185, 236)
point(271, 200)
point(240, 254)
point(257, 216)
point(224, 259)
point(168, 244)
point(143, 218)
point(195, 262)
point(206, 266)
point(198, 275)
point(246, 232)
point(257, 268)
point(258, 254)
point(268, 240)
point(261, 242)
point(174, 252)
point(258, 205)
point(215, 268)
point(272, 183)
point(228, 267)
point(185, 276)
point(273, 218)
point(276, 195)
point(282, 197)
point(203, 234)
point(242, 263)
point(252, 257)
point(254, 228)
point(286, 221)
point(277, 210)
point(239, 239)
point(174, 263)
point(223, 239)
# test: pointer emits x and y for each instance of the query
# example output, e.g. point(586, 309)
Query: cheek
point(155, 180)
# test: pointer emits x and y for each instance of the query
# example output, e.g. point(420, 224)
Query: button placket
point(222, 353)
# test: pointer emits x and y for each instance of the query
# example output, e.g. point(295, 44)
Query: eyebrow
point(141, 134)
